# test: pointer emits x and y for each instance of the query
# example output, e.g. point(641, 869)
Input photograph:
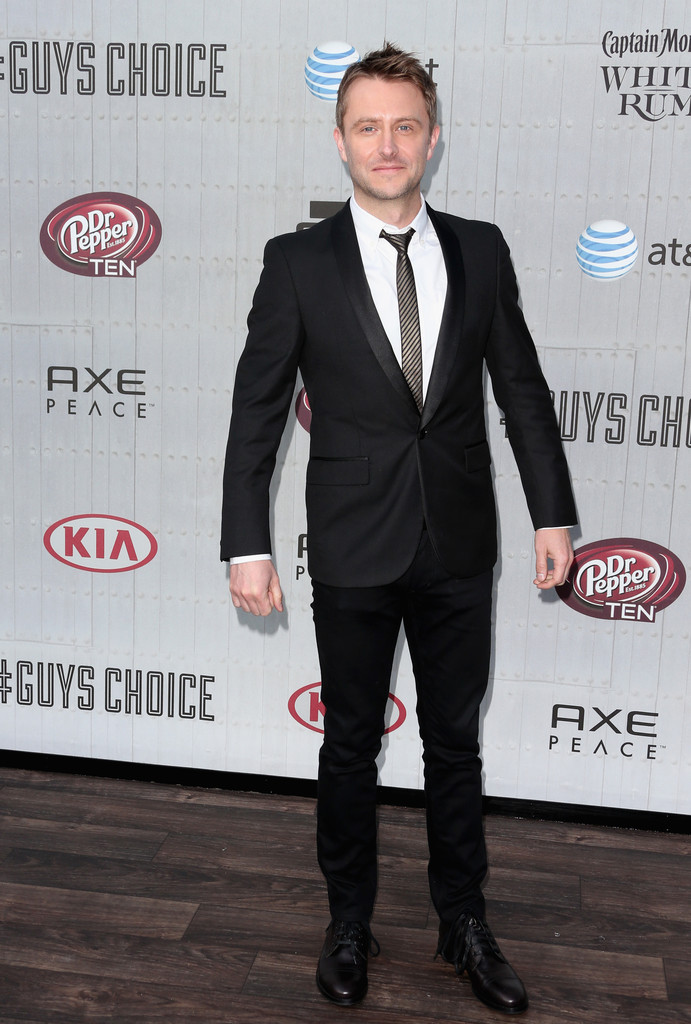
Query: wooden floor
point(136, 903)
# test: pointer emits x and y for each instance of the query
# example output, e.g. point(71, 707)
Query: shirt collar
point(369, 227)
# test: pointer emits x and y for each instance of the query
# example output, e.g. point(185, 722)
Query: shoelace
point(465, 937)
point(357, 936)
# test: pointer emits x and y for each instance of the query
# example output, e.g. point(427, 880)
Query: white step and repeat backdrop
point(147, 151)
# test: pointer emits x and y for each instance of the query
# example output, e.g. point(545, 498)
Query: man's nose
point(387, 143)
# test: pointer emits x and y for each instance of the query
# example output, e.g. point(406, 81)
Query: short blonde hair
point(392, 64)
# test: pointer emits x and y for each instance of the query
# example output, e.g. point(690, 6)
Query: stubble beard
point(406, 188)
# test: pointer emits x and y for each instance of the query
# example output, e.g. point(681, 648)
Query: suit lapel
point(451, 327)
point(352, 272)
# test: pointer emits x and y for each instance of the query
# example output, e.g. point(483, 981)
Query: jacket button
point(422, 434)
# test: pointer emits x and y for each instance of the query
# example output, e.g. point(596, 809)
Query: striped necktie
point(411, 345)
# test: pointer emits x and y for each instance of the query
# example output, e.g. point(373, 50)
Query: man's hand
point(255, 587)
point(554, 545)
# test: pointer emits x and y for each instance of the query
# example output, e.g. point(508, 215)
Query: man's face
point(386, 141)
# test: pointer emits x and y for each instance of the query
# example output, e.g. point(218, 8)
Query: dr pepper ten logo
point(623, 578)
point(102, 234)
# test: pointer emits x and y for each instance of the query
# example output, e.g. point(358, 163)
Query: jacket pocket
point(338, 472)
point(477, 457)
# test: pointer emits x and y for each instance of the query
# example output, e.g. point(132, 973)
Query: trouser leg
point(356, 631)
point(448, 627)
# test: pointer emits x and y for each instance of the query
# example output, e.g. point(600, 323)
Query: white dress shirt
point(427, 260)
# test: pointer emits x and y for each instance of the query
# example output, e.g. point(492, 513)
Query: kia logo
point(100, 543)
point(306, 708)
point(623, 578)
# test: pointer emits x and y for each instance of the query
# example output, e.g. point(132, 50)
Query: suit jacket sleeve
point(522, 394)
point(264, 386)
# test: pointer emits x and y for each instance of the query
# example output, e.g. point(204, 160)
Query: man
point(390, 328)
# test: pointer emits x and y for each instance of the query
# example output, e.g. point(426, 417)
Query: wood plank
point(16, 1020)
point(159, 918)
point(105, 953)
point(125, 809)
point(678, 974)
point(609, 931)
point(67, 998)
point(665, 896)
point(88, 785)
point(251, 927)
point(292, 853)
point(608, 974)
point(121, 878)
point(97, 840)
point(598, 861)
point(544, 886)
point(576, 1005)
point(520, 830)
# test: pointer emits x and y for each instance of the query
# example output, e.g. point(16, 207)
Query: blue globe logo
point(607, 249)
point(326, 66)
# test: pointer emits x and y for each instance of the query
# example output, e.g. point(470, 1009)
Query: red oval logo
point(623, 578)
point(306, 708)
point(303, 410)
point(103, 234)
point(100, 543)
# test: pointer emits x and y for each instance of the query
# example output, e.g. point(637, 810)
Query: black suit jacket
point(377, 467)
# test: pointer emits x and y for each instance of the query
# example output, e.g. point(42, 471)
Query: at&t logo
point(606, 250)
point(326, 66)
point(307, 709)
point(100, 543)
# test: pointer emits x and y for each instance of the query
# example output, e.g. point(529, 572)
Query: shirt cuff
point(249, 558)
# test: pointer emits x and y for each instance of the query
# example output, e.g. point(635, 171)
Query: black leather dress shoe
point(469, 945)
point(342, 970)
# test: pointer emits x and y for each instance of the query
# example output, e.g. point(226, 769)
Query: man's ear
point(338, 139)
point(433, 140)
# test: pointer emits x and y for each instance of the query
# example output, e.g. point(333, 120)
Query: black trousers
point(447, 626)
